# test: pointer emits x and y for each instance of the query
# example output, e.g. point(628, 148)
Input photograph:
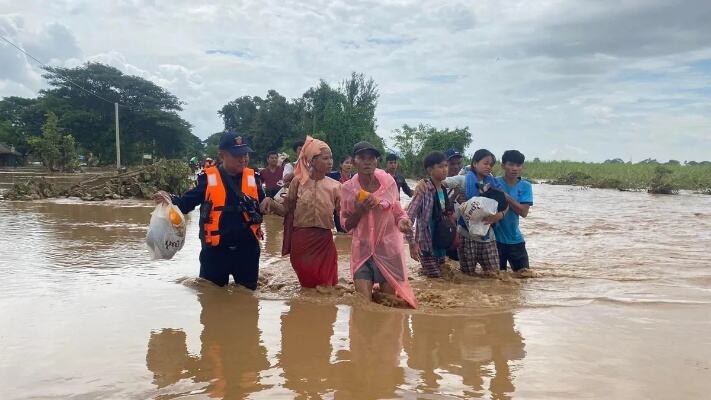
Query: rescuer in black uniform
point(230, 198)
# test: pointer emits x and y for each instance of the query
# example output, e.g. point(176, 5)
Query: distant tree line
point(655, 162)
point(341, 116)
point(65, 121)
point(149, 120)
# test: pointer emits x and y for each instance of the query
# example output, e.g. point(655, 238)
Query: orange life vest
point(216, 193)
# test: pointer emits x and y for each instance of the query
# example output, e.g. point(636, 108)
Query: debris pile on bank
point(33, 189)
point(170, 175)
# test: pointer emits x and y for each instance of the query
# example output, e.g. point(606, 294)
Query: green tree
point(239, 114)
point(414, 143)
point(442, 140)
point(662, 182)
point(20, 119)
point(266, 124)
point(409, 141)
point(274, 124)
point(54, 148)
point(340, 116)
point(149, 119)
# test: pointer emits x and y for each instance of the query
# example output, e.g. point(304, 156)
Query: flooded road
point(621, 309)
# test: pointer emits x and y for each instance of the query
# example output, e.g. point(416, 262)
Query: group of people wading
point(367, 205)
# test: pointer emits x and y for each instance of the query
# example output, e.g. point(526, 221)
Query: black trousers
point(515, 254)
point(241, 261)
point(453, 254)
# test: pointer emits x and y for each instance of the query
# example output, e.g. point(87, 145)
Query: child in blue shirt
point(519, 196)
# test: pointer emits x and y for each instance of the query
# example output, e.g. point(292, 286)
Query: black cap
point(365, 146)
point(232, 142)
point(451, 153)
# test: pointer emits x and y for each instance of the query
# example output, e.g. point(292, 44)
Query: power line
point(45, 66)
point(115, 103)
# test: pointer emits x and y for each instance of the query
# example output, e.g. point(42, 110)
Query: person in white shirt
point(289, 166)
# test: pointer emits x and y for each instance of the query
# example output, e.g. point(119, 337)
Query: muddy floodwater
point(621, 309)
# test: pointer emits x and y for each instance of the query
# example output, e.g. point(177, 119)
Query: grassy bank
point(658, 178)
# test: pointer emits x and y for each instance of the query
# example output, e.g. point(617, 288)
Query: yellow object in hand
point(175, 217)
point(362, 195)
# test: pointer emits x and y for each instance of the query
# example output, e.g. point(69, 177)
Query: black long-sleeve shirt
point(402, 184)
point(232, 226)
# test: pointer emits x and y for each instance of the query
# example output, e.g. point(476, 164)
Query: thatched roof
point(5, 149)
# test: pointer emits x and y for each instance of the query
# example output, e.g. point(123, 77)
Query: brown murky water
point(622, 309)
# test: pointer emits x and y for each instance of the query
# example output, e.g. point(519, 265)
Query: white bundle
point(166, 232)
point(476, 209)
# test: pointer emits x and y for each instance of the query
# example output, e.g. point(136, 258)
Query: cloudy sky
point(581, 80)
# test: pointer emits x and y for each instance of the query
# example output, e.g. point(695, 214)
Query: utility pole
point(118, 144)
point(118, 153)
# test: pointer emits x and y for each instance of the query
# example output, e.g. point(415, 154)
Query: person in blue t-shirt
point(519, 196)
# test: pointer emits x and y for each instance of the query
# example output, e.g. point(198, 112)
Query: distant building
point(8, 156)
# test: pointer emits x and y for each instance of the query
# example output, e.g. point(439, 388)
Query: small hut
point(8, 156)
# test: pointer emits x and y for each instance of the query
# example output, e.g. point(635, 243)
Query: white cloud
point(587, 79)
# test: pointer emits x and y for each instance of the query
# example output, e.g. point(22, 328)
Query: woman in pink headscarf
point(370, 209)
point(308, 210)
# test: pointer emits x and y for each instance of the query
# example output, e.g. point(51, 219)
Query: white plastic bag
point(166, 232)
point(474, 210)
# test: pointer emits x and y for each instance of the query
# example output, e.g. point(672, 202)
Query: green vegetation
point(662, 182)
point(56, 150)
point(32, 189)
point(149, 119)
point(647, 176)
point(64, 121)
point(340, 116)
point(414, 143)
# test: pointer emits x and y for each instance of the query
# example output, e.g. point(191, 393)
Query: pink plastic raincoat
point(377, 234)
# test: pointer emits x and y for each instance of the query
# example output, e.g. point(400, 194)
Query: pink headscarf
point(312, 147)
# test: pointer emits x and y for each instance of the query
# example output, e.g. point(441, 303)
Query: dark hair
point(391, 157)
point(499, 196)
point(297, 144)
point(482, 154)
point(434, 158)
point(513, 156)
point(345, 158)
point(272, 152)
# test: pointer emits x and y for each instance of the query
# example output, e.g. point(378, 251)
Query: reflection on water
point(476, 351)
point(330, 352)
point(231, 356)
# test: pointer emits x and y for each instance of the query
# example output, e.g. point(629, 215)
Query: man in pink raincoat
point(371, 211)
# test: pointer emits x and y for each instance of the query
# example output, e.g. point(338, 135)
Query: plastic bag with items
point(476, 209)
point(166, 232)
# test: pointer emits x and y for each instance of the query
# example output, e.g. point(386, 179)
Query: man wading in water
point(370, 209)
point(391, 165)
point(229, 197)
point(272, 174)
